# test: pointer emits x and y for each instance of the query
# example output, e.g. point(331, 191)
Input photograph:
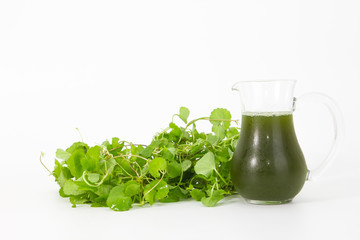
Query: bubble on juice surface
point(266, 114)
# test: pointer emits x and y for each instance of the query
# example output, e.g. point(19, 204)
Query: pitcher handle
point(338, 130)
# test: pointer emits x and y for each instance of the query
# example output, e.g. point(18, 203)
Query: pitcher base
point(261, 202)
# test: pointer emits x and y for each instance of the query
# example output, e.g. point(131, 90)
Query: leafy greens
point(179, 163)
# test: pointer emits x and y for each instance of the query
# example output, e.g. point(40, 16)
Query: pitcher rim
point(269, 80)
point(263, 81)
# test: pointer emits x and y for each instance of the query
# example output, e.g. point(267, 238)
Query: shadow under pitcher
point(268, 166)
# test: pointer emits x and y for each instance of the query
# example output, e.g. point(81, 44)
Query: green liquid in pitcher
point(268, 165)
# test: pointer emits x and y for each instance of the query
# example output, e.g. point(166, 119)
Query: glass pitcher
point(268, 166)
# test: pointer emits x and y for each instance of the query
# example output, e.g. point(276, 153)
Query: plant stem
point(125, 170)
point(197, 119)
point(132, 155)
point(182, 172)
point(127, 145)
point(102, 180)
point(41, 155)
point(153, 187)
point(220, 176)
point(82, 140)
point(210, 119)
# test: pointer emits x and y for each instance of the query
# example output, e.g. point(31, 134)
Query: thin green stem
point(210, 119)
point(182, 172)
point(132, 155)
point(212, 190)
point(102, 180)
point(163, 174)
point(42, 155)
point(197, 119)
point(220, 176)
point(172, 118)
point(137, 174)
point(82, 140)
point(125, 170)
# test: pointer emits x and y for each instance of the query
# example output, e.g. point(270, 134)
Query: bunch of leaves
point(179, 163)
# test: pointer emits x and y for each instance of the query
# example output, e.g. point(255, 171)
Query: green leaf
point(224, 169)
point(156, 165)
point(221, 114)
point(198, 146)
point(156, 190)
point(234, 143)
point(184, 133)
point(184, 114)
point(146, 153)
point(115, 146)
point(98, 204)
point(167, 154)
point(57, 169)
point(74, 163)
point(221, 158)
point(231, 153)
point(77, 200)
point(180, 192)
point(117, 200)
point(213, 199)
point(64, 175)
point(106, 144)
point(115, 142)
point(171, 148)
point(145, 170)
point(125, 168)
point(231, 132)
point(110, 164)
point(219, 131)
point(135, 150)
point(104, 190)
point(77, 146)
point(212, 139)
point(197, 194)
point(199, 182)
point(61, 193)
point(223, 155)
point(93, 177)
point(132, 188)
point(186, 164)
point(63, 155)
point(175, 194)
point(91, 160)
point(175, 133)
point(70, 188)
point(205, 165)
point(82, 185)
point(174, 169)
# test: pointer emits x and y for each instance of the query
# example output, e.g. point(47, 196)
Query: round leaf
point(117, 199)
point(156, 190)
point(205, 165)
point(156, 165)
point(220, 114)
point(174, 169)
point(186, 165)
point(184, 114)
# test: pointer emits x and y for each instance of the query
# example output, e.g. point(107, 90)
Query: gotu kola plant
point(179, 163)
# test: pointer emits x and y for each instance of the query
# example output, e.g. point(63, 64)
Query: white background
point(122, 68)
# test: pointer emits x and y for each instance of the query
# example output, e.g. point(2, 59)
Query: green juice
point(268, 165)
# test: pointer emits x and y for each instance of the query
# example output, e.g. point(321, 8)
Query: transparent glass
point(268, 166)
